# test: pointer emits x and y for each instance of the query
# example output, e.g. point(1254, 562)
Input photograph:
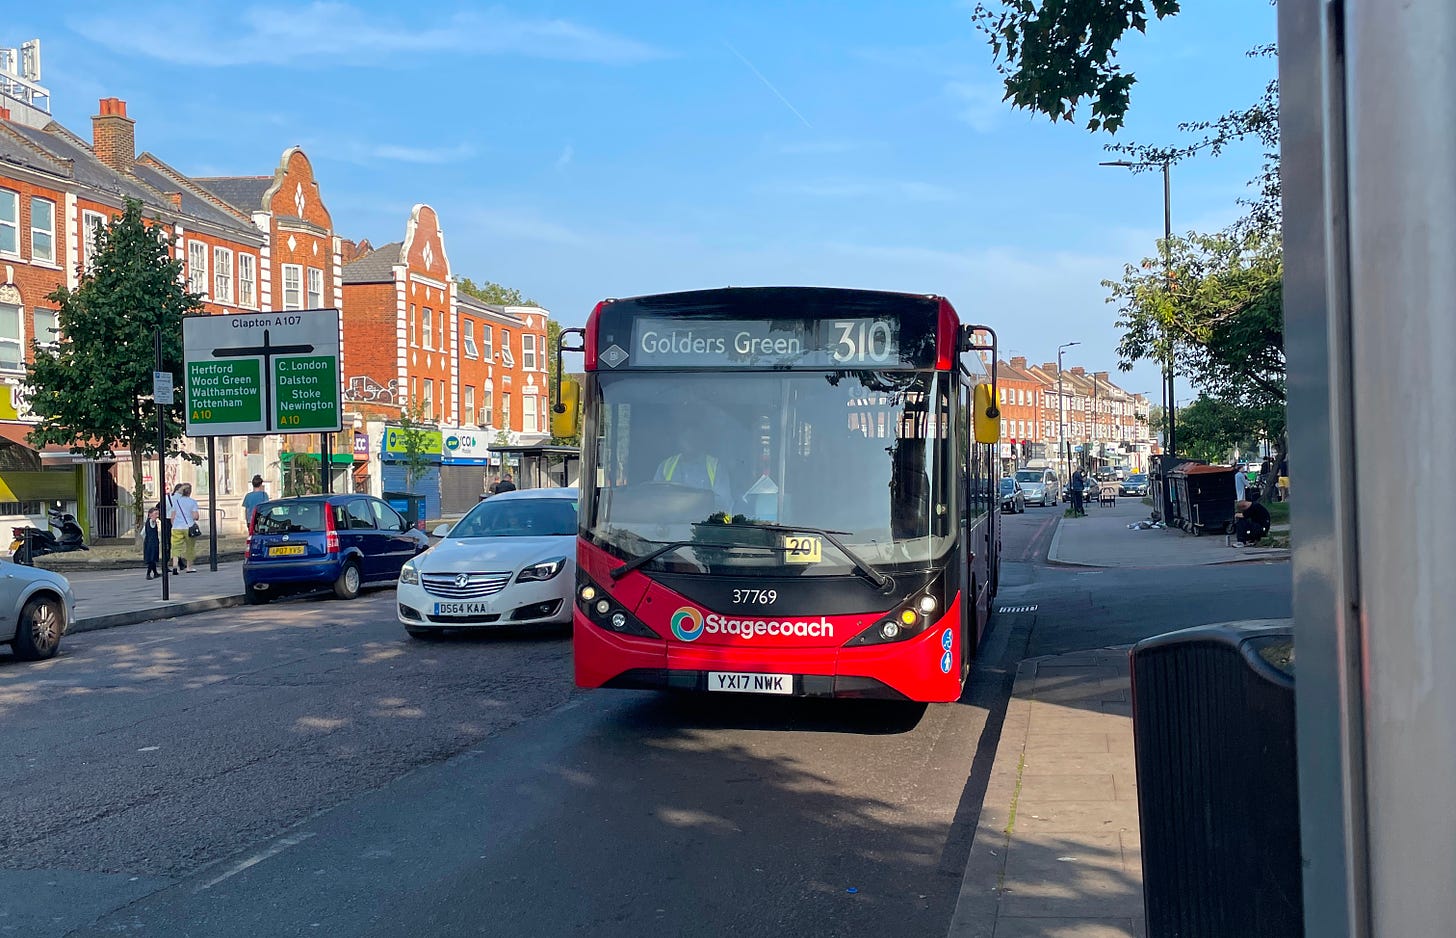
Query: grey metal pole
point(1168, 272)
point(166, 541)
point(212, 504)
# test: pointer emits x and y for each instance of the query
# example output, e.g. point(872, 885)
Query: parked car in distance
point(1038, 485)
point(36, 608)
point(315, 542)
point(510, 561)
point(1135, 484)
point(1013, 499)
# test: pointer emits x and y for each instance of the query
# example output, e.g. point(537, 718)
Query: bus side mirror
point(567, 412)
point(987, 415)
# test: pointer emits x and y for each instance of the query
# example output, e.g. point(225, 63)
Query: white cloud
point(895, 190)
point(424, 155)
point(325, 32)
point(567, 153)
point(980, 106)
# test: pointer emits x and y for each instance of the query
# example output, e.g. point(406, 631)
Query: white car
point(510, 561)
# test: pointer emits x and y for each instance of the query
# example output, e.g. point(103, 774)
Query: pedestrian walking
point(152, 542)
point(505, 484)
point(183, 512)
point(1079, 485)
point(253, 499)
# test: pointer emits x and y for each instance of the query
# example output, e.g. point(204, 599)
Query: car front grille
point(475, 585)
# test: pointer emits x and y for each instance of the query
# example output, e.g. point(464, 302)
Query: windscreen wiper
point(863, 567)
point(620, 571)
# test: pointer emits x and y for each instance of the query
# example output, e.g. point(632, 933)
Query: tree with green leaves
point(1210, 429)
point(1054, 53)
point(494, 293)
point(1218, 309)
point(302, 475)
point(414, 441)
point(92, 388)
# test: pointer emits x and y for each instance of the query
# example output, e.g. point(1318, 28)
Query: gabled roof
point(475, 306)
point(17, 149)
point(244, 193)
point(88, 171)
point(376, 266)
point(196, 201)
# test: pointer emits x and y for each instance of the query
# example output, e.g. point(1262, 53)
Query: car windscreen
point(289, 518)
point(519, 517)
point(1136, 479)
point(1008, 486)
point(1029, 475)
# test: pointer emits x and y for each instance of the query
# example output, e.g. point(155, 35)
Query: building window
point(92, 223)
point(528, 414)
point(487, 341)
point(9, 222)
point(528, 351)
point(292, 286)
point(443, 317)
point(43, 230)
point(427, 403)
point(507, 358)
point(414, 311)
point(470, 414)
point(467, 331)
point(427, 326)
point(506, 411)
point(315, 288)
point(197, 267)
point(247, 280)
point(47, 327)
point(222, 275)
point(545, 350)
point(10, 337)
point(487, 415)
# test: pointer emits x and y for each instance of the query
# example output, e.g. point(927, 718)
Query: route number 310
point(863, 340)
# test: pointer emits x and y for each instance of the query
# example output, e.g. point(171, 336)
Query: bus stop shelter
point(541, 465)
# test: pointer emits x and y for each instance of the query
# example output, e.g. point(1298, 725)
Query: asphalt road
point(305, 769)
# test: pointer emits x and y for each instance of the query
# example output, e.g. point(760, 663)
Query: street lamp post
point(1061, 412)
point(1169, 407)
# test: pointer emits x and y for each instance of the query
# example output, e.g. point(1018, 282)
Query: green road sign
point(259, 373)
point(306, 395)
point(224, 392)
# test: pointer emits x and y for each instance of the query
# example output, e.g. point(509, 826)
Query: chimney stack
point(1100, 375)
point(1049, 366)
point(113, 135)
point(175, 200)
point(1019, 362)
point(1078, 370)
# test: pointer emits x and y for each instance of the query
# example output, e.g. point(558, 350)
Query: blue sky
point(580, 149)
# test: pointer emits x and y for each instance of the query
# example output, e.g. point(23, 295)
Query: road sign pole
point(212, 503)
point(326, 467)
point(166, 541)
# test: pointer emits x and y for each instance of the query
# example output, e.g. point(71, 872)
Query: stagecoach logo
point(462, 580)
point(687, 624)
point(614, 356)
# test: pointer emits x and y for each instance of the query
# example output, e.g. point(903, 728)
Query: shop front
point(394, 462)
point(465, 469)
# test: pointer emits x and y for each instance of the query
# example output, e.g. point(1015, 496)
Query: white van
point(1040, 486)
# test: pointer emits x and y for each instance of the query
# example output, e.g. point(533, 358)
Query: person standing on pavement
point(152, 542)
point(253, 499)
point(505, 484)
point(183, 512)
point(1079, 485)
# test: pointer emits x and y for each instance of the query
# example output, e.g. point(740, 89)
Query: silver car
point(38, 605)
point(1038, 485)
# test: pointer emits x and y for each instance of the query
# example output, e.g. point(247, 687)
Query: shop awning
point(17, 435)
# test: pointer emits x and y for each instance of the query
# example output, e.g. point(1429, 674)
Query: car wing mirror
point(441, 530)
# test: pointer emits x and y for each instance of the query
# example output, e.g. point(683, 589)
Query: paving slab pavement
point(1057, 852)
point(108, 598)
point(1103, 539)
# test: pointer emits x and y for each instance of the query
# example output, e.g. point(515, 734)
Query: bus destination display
point(659, 342)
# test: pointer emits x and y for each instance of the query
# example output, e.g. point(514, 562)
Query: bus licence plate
point(292, 550)
point(802, 549)
point(461, 609)
point(747, 682)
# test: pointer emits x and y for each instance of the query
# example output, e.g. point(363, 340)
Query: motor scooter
point(30, 542)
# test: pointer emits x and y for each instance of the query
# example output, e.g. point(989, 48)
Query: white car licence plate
point(461, 609)
point(748, 682)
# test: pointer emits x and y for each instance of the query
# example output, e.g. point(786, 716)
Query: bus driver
point(693, 466)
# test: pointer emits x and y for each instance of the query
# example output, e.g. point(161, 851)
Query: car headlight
point(409, 573)
point(544, 570)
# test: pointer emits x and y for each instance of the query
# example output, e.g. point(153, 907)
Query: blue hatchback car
point(317, 542)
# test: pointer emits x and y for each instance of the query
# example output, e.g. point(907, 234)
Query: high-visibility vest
point(669, 467)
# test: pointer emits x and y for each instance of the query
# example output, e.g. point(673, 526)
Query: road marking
point(1031, 608)
point(255, 859)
